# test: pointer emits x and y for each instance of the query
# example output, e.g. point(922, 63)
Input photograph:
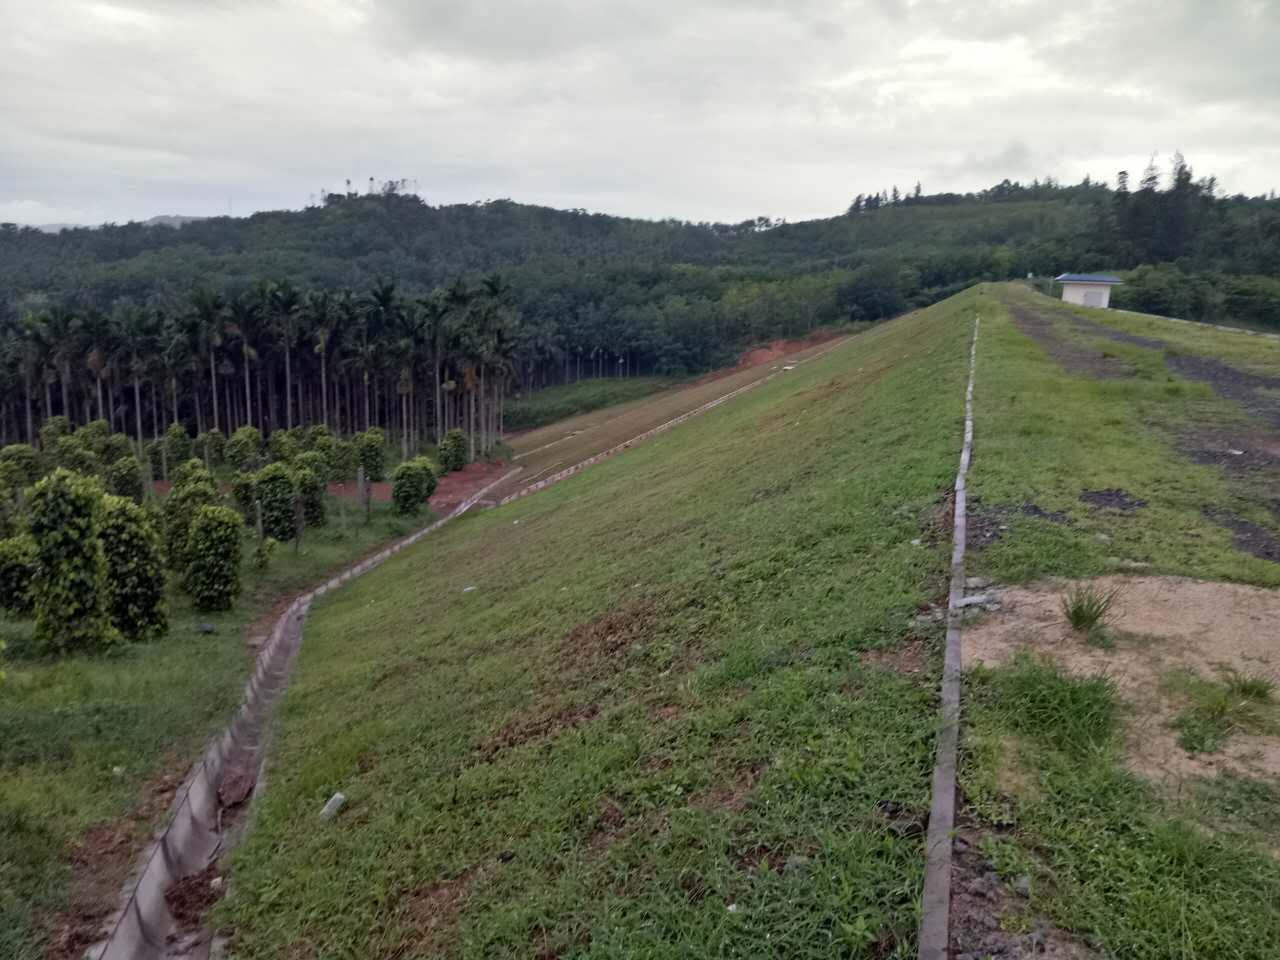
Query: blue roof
point(1088, 278)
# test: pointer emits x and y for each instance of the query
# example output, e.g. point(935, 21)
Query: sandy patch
point(1161, 624)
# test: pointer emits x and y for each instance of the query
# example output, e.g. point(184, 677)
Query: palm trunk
point(31, 429)
point(137, 412)
point(324, 390)
point(213, 388)
point(288, 383)
point(248, 400)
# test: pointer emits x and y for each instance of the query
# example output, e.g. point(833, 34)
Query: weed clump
point(1087, 608)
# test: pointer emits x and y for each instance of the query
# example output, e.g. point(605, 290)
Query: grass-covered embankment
point(1132, 869)
point(541, 407)
point(630, 715)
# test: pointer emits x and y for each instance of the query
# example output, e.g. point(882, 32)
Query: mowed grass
point(1132, 870)
point(538, 408)
point(545, 451)
point(1044, 437)
point(66, 726)
point(629, 716)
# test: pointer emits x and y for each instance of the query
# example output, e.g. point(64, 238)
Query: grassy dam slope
point(682, 704)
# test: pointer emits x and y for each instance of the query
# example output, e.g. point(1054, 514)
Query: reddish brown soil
point(100, 863)
point(771, 352)
point(452, 489)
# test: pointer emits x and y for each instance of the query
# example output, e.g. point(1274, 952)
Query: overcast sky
point(698, 109)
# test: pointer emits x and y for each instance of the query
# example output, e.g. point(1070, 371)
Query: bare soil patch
point(910, 658)
point(986, 524)
point(1074, 357)
point(190, 898)
point(989, 918)
point(1247, 535)
point(1112, 499)
point(1160, 625)
point(734, 793)
point(434, 909)
point(1231, 383)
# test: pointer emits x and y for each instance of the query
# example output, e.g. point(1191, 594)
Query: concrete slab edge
point(935, 914)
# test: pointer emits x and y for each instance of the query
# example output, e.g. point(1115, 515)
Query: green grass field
point(676, 706)
point(96, 745)
point(541, 407)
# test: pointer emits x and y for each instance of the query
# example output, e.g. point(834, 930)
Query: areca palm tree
point(318, 313)
point(209, 315)
point(285, 304)
point(244, 315)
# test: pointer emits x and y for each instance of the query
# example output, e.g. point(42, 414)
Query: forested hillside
point(309, 312)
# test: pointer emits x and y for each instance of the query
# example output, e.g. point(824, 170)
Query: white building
point(1087, 289)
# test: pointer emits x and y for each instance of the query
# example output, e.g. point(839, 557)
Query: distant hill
point(1190, 253)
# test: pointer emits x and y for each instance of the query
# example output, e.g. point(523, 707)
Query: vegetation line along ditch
point(935, 930)
point(143, 926)
point(661, 428)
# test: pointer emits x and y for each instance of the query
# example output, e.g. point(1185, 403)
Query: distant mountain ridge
point(163, 220)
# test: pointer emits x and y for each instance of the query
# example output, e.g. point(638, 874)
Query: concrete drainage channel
point(935, 918)
point(143, 928)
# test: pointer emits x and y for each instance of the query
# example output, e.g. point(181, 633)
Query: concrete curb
point(661, 428)
point(935, 919)
point(142, 927)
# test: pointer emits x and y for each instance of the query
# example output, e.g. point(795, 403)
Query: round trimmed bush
point(411, 484)
point(17, 567)
point(371, 453)
point(277, 494)
point(52, 429)
point(116, 447)
point(212, 576)
point(244, 493)
point(342, 461)
point(212, 447)
point(284, 445)
point(244, 449)
point(94, 436)
point(20, 464)
point(69, 451)
point(123, 478)
point(180, 508)
point(177, 444)
point(311, 490)
point(310, 460)
point(189, 471)
point(135, 572)
point(453, 450)
point(153, 453)
point(69, 585)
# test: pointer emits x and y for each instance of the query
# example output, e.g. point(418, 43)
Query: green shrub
point(180, 509)
point(311, 490)
point(116, 448)
point(244, 449)
point(94, 435)
point(371, 453)
point(277, 494)
point(317, 437)
point(244, 493)
point(17, 567)
point(69, 586)
point(153, 453)
point(212, 576)
point(52, 430)
point(189, 471)
point(123, 478)
point(283, 445)
point(310, 460)
point(69, 451)
point(177, 444)
point(343, 459)
point(20, 464)
point(135, 571)
point(453, 451)
point(411, 484)
point(10, 514)
point(212, 447)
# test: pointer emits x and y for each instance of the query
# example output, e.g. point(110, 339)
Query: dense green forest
point(380, 309)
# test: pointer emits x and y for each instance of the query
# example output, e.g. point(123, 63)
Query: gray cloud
point(116, 109)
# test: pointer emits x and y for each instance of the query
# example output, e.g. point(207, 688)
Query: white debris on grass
point(336, 803)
